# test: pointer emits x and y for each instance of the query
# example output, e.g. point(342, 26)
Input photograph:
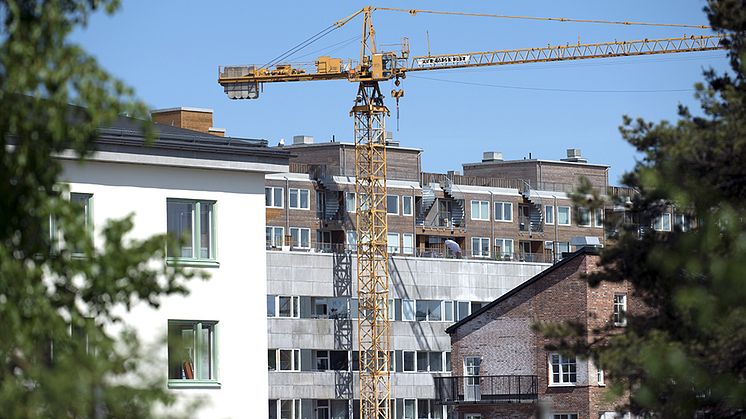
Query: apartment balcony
point(486, 389)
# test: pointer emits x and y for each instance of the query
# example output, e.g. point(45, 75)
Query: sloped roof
point(578, 253)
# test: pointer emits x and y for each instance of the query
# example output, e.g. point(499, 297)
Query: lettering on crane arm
point(443, 60)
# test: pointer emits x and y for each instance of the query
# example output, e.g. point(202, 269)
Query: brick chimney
point(195, 119)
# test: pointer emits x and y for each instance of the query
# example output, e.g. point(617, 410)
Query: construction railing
point(486, 389)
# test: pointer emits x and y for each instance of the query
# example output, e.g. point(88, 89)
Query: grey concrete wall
point(327, 275)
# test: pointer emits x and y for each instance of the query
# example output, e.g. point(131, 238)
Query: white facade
point(233, 298)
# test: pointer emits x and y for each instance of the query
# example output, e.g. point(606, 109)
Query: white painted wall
point(234, 296)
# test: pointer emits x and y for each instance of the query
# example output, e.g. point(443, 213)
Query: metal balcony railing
point(486, 389)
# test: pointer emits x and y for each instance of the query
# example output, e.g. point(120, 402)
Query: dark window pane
point(180, 217)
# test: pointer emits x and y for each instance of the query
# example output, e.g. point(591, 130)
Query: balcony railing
point(486, 389)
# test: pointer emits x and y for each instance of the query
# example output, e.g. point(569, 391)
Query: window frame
point(598, 218)
point(503, 253)
point(581, 220)
point(273, 235)
point(404, 249)
point(300, 231)
point(657, 223)
point(393, 249)
point(404, 361)
point(295, 359)
point(565, 367)
point(351, 208)
point(569, 215)
point(196, 239)
point(481, 247)
point(388, 210)
point(412, 304)
point(299, 192)
point(294, 307)
point(549, 213)
point(481, 205)
point(273, 204)
point(411, 206)
point(502, 218)
point(620, 317)
point(87, 203)
point(213, 381)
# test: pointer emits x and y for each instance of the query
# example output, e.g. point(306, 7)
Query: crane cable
point(300, 46)
point(554, 19)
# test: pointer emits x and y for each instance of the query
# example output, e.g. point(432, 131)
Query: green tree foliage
point(685, 354)
point(54, 360)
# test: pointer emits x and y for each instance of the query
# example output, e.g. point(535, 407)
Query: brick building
point(500, 365)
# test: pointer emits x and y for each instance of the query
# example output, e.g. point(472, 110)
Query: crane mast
point(369, 113)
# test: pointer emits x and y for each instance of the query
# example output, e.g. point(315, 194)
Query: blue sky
point(169, 51)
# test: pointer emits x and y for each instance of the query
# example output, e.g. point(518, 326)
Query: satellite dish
point(281, 143)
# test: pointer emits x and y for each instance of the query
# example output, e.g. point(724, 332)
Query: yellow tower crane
point(369, 112)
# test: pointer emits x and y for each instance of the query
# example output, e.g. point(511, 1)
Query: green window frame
point(193, 354)
point(194, 222)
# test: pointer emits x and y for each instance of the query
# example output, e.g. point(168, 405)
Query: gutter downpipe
point(414, 224)
point(492, 224)
point(287, 207)
point(554, 218)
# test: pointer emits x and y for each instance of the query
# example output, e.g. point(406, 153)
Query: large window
point(463, 309)
point(192, 351)
point(275, 237)
point(352, 240)
point(504, 247)
point(273, 197)
point(663, 222)
point(406, 205)
point(480, 210)
point(283, 359)
point(283, 306)
point(393, 242)
point(392, 204)
point(285, 409)
point(480, 247)
point(620, 309)
point(563, 216)
point(299, 198)
point(563, 369)
point(192, 224)
point(428, 310)
point(301, 237)
point(408, 310)
point(503, 211)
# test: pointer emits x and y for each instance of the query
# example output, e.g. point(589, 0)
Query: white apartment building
point(209, 190)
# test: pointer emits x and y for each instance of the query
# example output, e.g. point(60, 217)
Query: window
point(480, 210)
point(192, 351)
point(407, 243)
point(449, 366)
point(435, 361)
point(462, 310)
point(408, 361)
point(393, 242)
point(273, 197)
point(339, 360)
point(406, 206)
point(503, 211)
point(288, 306)
point(584, 217)
point(275, 237)
point(322, 409)
point(448, 311)
point(192, 224)
point(663, 222)
point(620, 309)
point(565, 416)
point(299, 198)
point(548, 214)
point(428, 310)
point(562, 247)
point(290, 409)
point(272, 359)
point(407, 310)
point(322, 360)
point(600, 377)
point(563, 216)
point(599, 217)
point(270, 306)
point(320, 204)
point(410, 408)
point(472, 416)
point(84, 202)
point(504, 247)
point(392, 204)
point(562, 369)
point(480, 247)
point(682, 221)
point(301, 237)
point(288, 359)
point(350, 202)
point(351, 240)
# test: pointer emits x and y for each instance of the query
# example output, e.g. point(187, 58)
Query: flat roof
point(182, 108)
point(346, 144)
point(524, 161)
